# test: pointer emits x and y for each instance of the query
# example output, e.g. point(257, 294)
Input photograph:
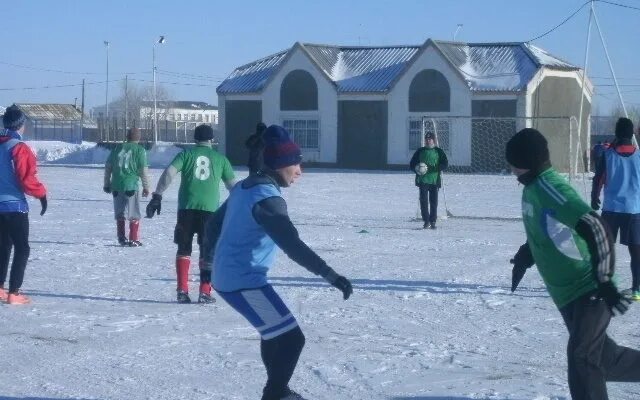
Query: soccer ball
point(421, 169)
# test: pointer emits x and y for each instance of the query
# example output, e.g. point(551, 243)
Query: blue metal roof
point(485, 67)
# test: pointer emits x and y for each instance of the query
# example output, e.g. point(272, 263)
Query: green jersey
point(551, 209)
point(127, 161)
point(432, 157)
point(202, 168)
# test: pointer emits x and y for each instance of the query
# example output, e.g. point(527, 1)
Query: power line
point(561, 23)
point(618, 4)
point(58, 86)
point(66, 72)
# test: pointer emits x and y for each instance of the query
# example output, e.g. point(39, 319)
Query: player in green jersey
point(201, 168)
point(125, 167)
point(574, 253)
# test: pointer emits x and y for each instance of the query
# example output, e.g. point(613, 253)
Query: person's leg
point(634, 251)
point(5, 248)
point(134, 217)
point(205, 268)
point(119, 208)
point(19, 233)
point(589, 349)
point(568, 316)
point(632, 240)
point(183, 237)
point(612, 222)
point(433, 204)
point(281, 338)
point(424, 203)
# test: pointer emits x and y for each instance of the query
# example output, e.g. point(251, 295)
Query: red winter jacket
point(24, 162)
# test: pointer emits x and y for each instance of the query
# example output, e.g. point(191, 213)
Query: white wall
point(327, 106)
point(398, 151)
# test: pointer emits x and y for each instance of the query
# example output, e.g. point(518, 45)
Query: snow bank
point(89, 153)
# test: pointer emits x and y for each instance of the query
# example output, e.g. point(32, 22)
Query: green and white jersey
point(551, 209)
point(202, 169)
point(127, 161)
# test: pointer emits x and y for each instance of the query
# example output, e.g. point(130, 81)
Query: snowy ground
point(431, 317)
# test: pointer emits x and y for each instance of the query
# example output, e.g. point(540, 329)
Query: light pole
point(155, 105)
point(106, 96)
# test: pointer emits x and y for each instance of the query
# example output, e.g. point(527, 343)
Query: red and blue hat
point(279, 150)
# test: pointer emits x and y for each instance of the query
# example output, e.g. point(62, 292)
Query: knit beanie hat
point(203, 133)
point(624, 128)
point(527, 149)
point(430, 135)
point(260, 127)
point(13, 118)
point(279, 150)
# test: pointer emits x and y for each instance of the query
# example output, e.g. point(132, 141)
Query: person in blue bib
point(618, 172)
point(241, 240)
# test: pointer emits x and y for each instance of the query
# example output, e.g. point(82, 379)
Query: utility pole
point(82, 114)
point(126, 103)
point(106, 97)
point(155, 101)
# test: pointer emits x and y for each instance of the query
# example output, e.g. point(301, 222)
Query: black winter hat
point(624, 128)
point(260, 127)
point(527, 149)
point(13, 118)
point(430, 135)
point(203, 133)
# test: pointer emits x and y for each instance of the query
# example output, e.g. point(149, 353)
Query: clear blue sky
point(210, 38)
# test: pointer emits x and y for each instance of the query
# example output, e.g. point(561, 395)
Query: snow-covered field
point(431, 317)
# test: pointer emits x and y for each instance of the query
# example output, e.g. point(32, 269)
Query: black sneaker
point(433, 225)
point(135, 243)
point(291, 395)
point(425, 226)
point(204, 298)
point(183, 297)
point(123, 241)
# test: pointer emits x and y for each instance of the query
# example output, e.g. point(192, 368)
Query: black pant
point(280, 356)
point(634, 252)
point(14, 231)
point(593, 357)
point(429, 198)
point(190, 223)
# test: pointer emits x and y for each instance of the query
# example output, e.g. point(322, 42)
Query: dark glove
point(341, 283)
point(616, 302)
point(595, 203)
point(522, 261)
point(115, 193)
point(155, 205)
point(517, 273)
point(130, 193)
point(43, 204)
point(107, 189)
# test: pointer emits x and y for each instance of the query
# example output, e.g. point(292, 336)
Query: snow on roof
point(50, 112)
point(484, 66)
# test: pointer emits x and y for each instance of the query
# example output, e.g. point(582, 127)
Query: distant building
point(176, 119)
point(363, 107)
point(54, 122)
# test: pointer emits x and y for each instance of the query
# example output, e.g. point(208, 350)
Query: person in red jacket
point(17, 178)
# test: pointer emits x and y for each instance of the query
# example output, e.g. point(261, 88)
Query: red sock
point(182, 271)
point(205, 278)
point(120, 228)
point(134, 228)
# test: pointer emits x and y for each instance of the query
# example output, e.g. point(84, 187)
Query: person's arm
point(213, 228)
point(228, 177)
point(165, 179)
point(598, 181)
point(443, 161)
point(271, 214)
point(108, 168)
point(591, 228)
point(415, 159)
point(24, 162)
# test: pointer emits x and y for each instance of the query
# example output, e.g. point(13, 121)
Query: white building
point(364, 107)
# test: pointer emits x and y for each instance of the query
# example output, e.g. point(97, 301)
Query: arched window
point(298, 92)
point(429, 91)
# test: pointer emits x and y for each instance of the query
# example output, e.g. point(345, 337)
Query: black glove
point(115, 193)
point(608, 292)
point(341, 283)
point(522, 261)
point(155, 205)
point(107, 189)
point(595, 203)
point(43, 204)
point(130, 193)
